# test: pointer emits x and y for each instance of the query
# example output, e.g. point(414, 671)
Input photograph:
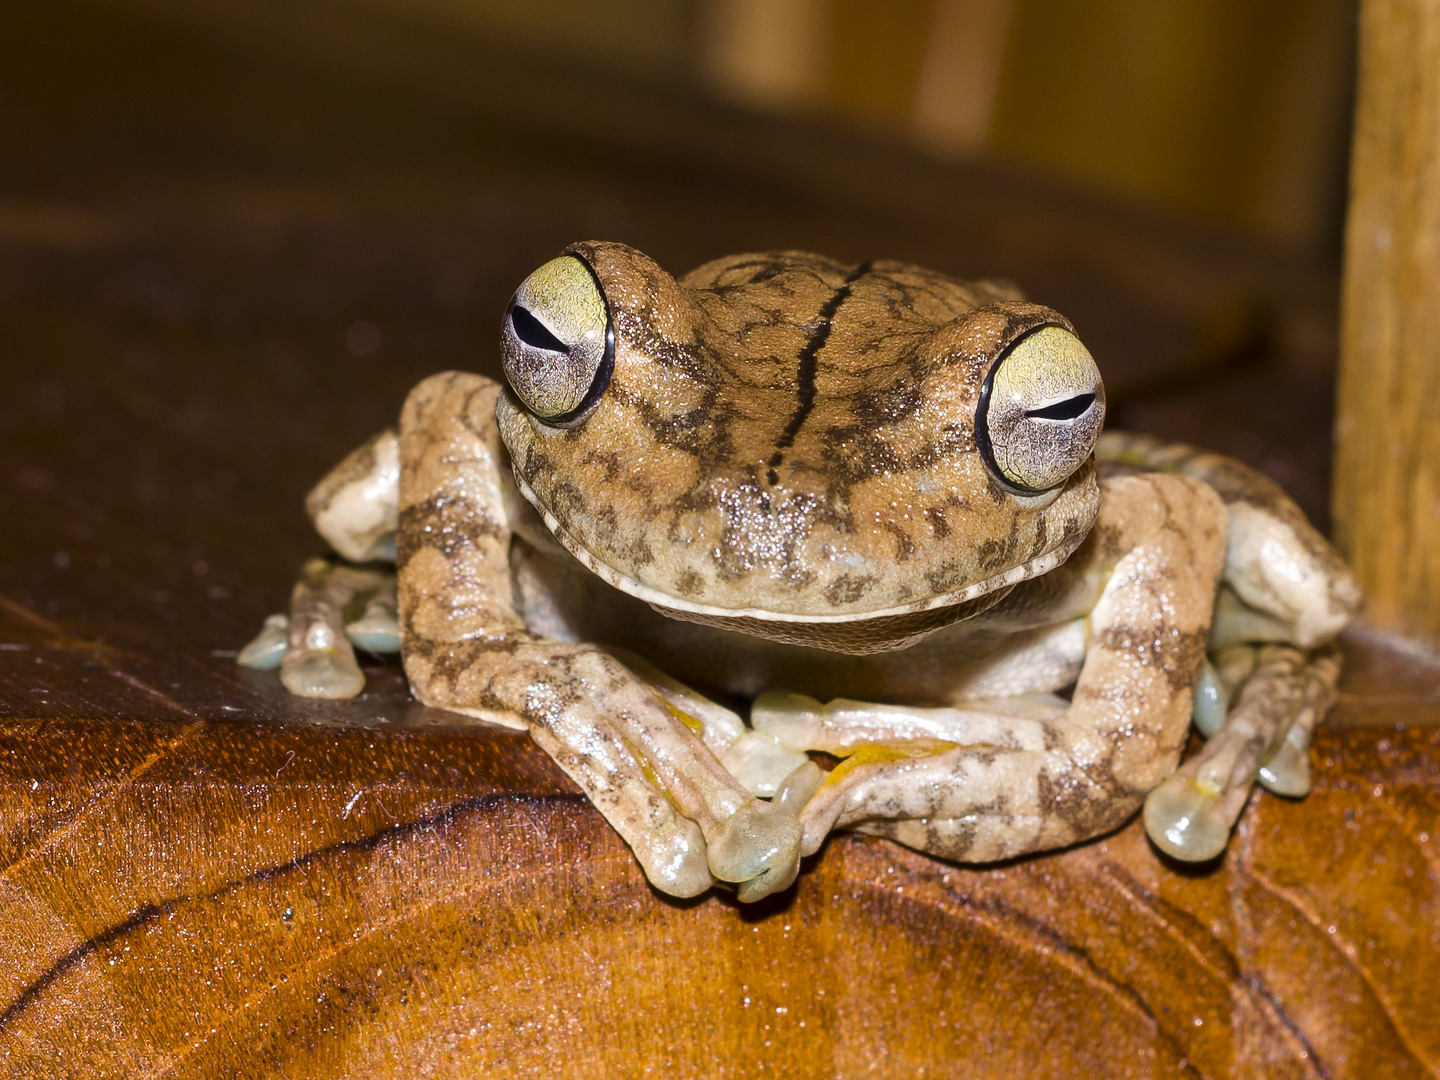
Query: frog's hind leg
point(976, 786)
point(1284, 590)
point(334, 605)
point(467, 649)
point(1283, 581)
point(1266, 736)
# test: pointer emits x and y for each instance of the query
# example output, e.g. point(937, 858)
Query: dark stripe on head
point(809, 367)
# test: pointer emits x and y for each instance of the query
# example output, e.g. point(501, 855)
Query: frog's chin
point(879, 630)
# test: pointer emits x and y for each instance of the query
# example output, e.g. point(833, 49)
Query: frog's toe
point(788, 720)
point(673, 858)
point(1211, 701)
point(799, 787)
point(758, 847)
point(322, 673)
point(760, 764)
point(376, 632)
point(1288, 770)
point(1188, 817)
point(776, 879)
point(267, 649)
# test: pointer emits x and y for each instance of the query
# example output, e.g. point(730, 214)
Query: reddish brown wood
point(191, 899)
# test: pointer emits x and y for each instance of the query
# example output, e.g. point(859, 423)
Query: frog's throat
point(658, 598)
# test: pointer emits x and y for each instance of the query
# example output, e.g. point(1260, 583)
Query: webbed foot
point(312, 646)
point(1265, 738)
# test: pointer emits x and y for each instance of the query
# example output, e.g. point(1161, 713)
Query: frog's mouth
point(856, 633)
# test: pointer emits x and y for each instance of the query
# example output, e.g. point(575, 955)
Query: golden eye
point(1041, 410)
point(556, 343)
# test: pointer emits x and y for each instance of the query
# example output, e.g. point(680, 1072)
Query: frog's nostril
point(533, 332)
point(1069, 409)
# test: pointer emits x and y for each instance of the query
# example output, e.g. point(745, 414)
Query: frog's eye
point(556, 344)
point(1040, 410)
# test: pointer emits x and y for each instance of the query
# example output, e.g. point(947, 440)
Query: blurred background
point(234, 232)
point(1232, 111)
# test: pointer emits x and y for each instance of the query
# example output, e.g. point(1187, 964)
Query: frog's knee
point(446, 394)
point(1282, 568)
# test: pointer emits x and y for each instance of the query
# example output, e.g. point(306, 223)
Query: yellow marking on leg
point(697, 726)
point(870, 753)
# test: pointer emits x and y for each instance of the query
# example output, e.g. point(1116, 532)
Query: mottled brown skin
point(785, 435)
point(786, 459)
point(467, 649)
point(1128, 719)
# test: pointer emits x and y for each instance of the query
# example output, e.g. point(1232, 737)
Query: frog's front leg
point(467, 649)
point(995, 785)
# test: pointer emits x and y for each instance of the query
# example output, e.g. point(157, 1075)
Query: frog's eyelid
point(533, 332)
point(1069, 409)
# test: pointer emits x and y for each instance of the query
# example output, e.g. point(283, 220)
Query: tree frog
point(868, 507)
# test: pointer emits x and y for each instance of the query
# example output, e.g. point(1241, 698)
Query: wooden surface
point(193, 898)
point(1387, 478)
point(208, 215)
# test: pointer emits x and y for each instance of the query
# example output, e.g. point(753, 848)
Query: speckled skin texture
point(787, 436)
point(1050, 783)
point(785, 461)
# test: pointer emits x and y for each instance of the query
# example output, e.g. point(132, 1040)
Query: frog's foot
point(668, 731)
point(865, 734)
point(668, 845)
point(642, 759)
point(684, 743)
point(931, 778)
point(756, 759)
point(688, 822)
point(312, 646)
point(1266, 737)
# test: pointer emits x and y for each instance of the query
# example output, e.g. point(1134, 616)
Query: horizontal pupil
point(1063, 410)
point(533, 332)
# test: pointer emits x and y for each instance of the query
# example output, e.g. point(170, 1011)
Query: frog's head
point(840, 456)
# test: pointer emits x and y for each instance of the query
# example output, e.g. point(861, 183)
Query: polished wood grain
point(1387, 475)
point(190, 898)
point(201, 876)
